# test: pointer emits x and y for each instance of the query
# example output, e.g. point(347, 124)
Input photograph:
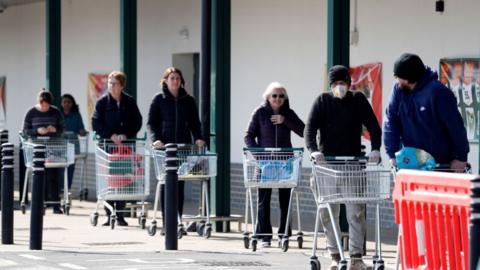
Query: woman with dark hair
point(73, 127)
point(44, 119)
point(173, 118)
point(271, 125)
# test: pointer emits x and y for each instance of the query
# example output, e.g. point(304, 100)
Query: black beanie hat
point(409, 67)
point(338, 73)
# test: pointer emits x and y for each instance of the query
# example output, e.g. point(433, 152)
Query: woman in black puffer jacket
point(173, 118)
point(270, 126)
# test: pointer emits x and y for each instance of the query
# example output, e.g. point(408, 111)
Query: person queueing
point(44, 119)
point(271, 125)
point(337, 117)
point(116, 118)
point(173, 118)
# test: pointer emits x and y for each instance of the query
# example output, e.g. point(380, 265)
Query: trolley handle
point(346, 158)
point(272, 149)
point(96, 137)
point(443, 167)
point(182, 146)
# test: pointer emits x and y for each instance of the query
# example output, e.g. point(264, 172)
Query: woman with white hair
point(270, 126)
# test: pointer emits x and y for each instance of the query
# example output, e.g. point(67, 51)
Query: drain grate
point(113, 243)
point(232, 263)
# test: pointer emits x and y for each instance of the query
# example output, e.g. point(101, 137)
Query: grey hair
point(272, 86)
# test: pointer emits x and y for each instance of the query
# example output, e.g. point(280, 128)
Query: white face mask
point(339, 91)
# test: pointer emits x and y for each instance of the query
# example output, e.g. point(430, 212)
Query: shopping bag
point(414, 158)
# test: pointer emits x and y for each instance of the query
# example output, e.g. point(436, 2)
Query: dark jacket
point(261, 132)
point(35, 119)
point(340, 124)
point(174, 120)
point(109, 118)
point(427, 118)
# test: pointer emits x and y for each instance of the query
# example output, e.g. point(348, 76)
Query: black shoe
point(122, 222)
point(162, 231)
point(57, 210)
point(107, 223)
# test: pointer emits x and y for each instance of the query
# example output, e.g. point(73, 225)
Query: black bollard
point(3, 139)
point(475, 226)
point(7, 193)
point(171, 197)
point(36, 217)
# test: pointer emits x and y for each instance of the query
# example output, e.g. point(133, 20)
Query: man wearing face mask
point(338, 118)
point(422, 113)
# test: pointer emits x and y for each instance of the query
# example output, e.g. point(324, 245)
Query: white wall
point(22, 60)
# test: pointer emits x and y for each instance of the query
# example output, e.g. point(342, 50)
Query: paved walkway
point(70, 242)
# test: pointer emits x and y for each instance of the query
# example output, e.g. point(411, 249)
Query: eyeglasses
point(278, 95)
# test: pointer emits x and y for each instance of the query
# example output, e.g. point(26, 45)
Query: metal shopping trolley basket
point(59, 153)
point(344, 180)
point(122, 174)
point(271, 168)
point(195, 164)
point(81, 155)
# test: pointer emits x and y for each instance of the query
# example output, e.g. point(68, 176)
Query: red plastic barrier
point(432, 210)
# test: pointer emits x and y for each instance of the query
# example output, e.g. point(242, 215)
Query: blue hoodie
point(427, 118)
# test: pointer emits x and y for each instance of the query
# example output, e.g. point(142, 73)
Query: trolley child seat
point(195, 164)
point(270, 168)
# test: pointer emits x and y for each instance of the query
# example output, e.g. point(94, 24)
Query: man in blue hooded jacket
point(422, 113)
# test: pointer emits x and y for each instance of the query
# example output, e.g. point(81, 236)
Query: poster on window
point(368, 80)
point(97, 87)
point(3, 112)
point(462, 76)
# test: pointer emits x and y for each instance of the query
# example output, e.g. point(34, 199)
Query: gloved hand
point(393, 162)
point(374, 157)
point(158, 144)
point(317, 157)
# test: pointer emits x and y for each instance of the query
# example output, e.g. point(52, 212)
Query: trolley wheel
point(342, 265)
point(180, 233)
point(94, 219)
point(200, 228)
point(112, 223)
point(246, 242)
point(85, 194)
point(378, 265)
point(66, 210)
point(300, 242)
point(152, 229)
point(254, 245)
point(315, 264)
point(80, 195)
point(23, 208)
point(284, 244)
point(208, 232)
point(143, 221)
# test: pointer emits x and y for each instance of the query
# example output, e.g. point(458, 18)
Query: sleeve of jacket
point(294, 123)
point(154, 122)
point(27, 125)
point(60, 125)
point(392, 128)
point(137, 117)
point(369, 120)
point(97, 120)
point(195, 125)
point(313, 125)
point(253, 130)
point(446, 107)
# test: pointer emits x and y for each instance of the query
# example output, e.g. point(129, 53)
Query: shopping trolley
point(195, 164)
point(271, 168)
point(59, 153)
point(81, 155)
point(344, 180)
point(123, 174)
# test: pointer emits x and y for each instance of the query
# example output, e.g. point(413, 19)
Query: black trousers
point(264, 225)
point(181, 191)
point(119, 206)
point(51, 186)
